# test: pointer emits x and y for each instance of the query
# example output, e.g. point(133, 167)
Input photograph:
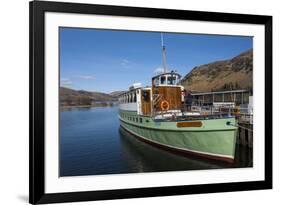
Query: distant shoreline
point(83, 106)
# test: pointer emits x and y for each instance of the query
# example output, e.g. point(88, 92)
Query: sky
point(107, 60)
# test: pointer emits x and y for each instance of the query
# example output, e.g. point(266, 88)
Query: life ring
point(165, 105)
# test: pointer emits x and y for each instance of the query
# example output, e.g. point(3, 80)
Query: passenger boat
point(155, 114)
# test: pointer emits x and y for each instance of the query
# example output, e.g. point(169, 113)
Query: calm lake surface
point(92, 142)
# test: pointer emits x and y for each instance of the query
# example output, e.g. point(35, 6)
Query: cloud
point(125, 63)
point(87, 77)
point(66, 82)
point(159, 70)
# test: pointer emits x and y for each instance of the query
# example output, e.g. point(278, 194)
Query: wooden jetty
point(245, 131)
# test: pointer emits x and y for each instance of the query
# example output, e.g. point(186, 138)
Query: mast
point(163, 54)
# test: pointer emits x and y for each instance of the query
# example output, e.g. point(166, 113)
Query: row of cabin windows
point(129, 98)
point(134, 119)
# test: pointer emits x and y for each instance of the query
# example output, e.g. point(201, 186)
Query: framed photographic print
point(140, 102)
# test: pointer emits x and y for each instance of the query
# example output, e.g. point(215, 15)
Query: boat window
point(172, 80)
point(135, 98)
point(140, 120)
point(156, 81)
point(163, 80)
point(137, 119)
point(145, 95)
point(177, 80)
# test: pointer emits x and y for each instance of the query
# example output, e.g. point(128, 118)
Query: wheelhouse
point(167, 92)
point(166, 79)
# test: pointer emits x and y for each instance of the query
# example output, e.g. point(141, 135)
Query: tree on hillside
point(83, 100)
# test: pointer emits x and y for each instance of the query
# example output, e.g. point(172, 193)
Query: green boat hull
point(215, 139)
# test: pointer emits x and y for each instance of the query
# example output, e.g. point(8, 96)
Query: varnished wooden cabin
point(167, 93)
point(163, 96)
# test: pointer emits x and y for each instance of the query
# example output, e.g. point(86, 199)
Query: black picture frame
point(37, 9)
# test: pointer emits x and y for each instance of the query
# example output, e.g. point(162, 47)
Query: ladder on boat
point(156, 99)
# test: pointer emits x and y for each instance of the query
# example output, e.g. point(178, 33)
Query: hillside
point(80, 97)
point(236, 73)
point(116, 93)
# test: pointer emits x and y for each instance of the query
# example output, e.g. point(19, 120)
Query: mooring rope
point(246, 128)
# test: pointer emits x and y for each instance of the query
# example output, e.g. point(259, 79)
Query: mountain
point(80, 97)
point(235, 73)
point(116, 93)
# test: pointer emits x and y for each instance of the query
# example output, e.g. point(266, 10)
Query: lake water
point(92, 142)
